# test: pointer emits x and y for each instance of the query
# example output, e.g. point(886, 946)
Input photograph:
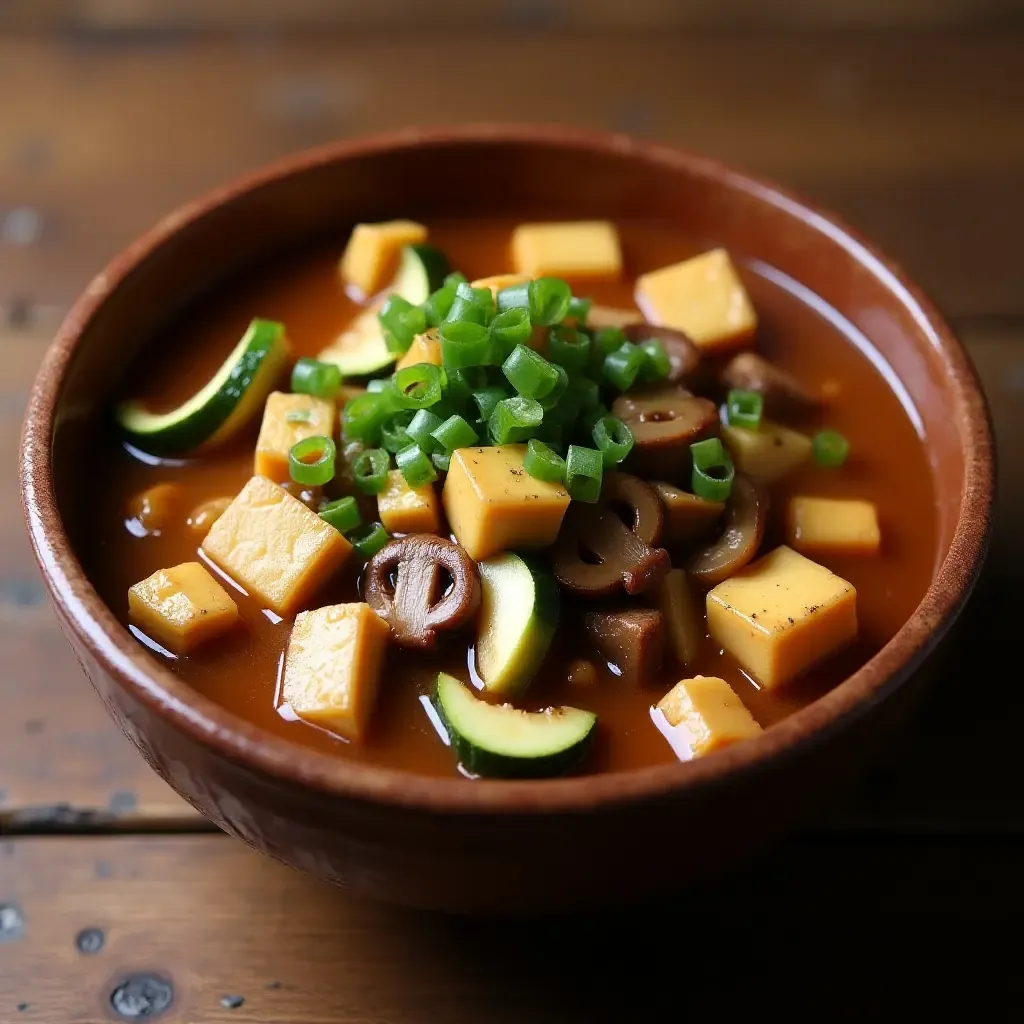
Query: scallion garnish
point(623, 366)
point(658, 365)
point(569, 347)
point(311, 461)
point(744, 408)
point(713, 471)
point(463, 344)
point(529, 372)
point(363, 416)
point(311, 377)
point(543, 463)
point(579, 310)
point(514, 419)
point(415, 465)
point(418, 386)
point(584, 471)
point(830, 448)
point(367, 540)
point(401, 321)
point(549, 299)
point(370, 470)
point(394, 434)
point(614, 440)
point(421, 429)
point(509, 328)
point(485, 399)
point(342, 514)
point(455, 433)
point(515, 296)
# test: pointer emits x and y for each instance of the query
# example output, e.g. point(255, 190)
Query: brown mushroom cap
point(689, 519)
point(596, 552)
point(403, 586)
point(683, 353)
point(664, 424)
point(632, 639)
point(783, 394)
point(745, 514)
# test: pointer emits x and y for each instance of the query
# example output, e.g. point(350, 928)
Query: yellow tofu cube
point(768, 453)
point(332, 667)
point(274, 547)
point(702, 297)
point(781, 614)
point(181, 607)
point(371, 256)
point(703, 715)
point(494, 505)
point(425, 348)
point(496, 282)
point(287, 419)
point(405, 509)
point(833, 526)
point(575, 249)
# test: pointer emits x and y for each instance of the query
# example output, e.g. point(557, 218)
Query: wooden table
point(113, 893)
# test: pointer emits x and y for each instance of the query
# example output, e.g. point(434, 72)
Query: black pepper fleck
point(792, 621)
point(22, 1007)
point(232, 1002)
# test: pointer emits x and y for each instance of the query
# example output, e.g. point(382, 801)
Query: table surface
point(911, 130)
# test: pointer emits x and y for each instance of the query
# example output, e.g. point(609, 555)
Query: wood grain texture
point(216, 921)
point(918, 138)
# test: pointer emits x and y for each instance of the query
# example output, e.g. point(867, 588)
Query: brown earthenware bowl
point(498, 846)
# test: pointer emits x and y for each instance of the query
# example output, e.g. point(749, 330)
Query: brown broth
point(888, 466)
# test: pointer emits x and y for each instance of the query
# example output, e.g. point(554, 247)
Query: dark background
point(906, 116)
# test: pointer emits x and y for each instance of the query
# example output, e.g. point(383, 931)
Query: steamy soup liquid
point(243, 667)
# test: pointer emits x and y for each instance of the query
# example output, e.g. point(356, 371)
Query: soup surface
point(242, 670)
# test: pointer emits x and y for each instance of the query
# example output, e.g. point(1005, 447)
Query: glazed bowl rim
point(84, 613)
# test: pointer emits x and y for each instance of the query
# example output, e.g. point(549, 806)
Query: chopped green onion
point(509, 328)
point(529, 372)
point(422, 427)
point(455, 433)
point(394, 433)
point(556, 395)
point(744, 408)
point(622, 366)
point(579, 310)
point(713, 471)
point(311, 377)
point(472, 305)
point(569, 347)
point(830, 448)
point(418, 386)
point(416, 466)
point(442, 461)
point(370, 470)
point(486, 399)
point(463, 382)
point(658, 365)
point(342, 514)
point(463, 344)
point(549, 300)
point(401, 322)
point(378, 385)
point(438, 305)
point(311, 461)
point(543, 463)
point(614, 440)
point(584, 470)
point(363, 416)
point(515, 296)
point(586, 391)
point(454, 279)
point(514, 419)
point(602, 343)
point(368, 540)
point(551, 433)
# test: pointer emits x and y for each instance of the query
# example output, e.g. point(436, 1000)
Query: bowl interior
point(543, 173)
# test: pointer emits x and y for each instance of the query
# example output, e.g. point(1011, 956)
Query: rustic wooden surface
point(916, 136)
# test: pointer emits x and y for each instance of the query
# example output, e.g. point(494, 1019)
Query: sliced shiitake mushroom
point(598, 551)
point(683, 353)
point(745, 514)
point(783, 394)
point(665, 423)
point(403, 585)
point(631, 639)
point(689, 519)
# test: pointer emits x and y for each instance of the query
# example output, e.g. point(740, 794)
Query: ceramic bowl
point(499, 846)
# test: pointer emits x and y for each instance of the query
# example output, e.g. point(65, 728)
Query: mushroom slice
point(688, 518)
point(403, 586)
point(783, 394)
point(632, 639)
point(682, 351)
point(745, 515)
point(665, 423)
point(597, 551)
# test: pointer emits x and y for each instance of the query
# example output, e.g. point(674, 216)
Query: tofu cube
point(781, 614)
point(287, 419)
point(425, 348)
point(274, 547)
point(494, 505)
point(574, 249)
point(371, 256)
point(702, 715)
point(181, 607)
point(405, 509)
point(703, 297)
point(332, 667)
point(833, 526)
point(768, 453)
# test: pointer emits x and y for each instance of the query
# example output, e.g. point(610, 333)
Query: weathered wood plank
point(238, 938)
point(919, 138)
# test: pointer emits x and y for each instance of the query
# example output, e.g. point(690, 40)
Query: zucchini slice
point(518, 617)
point(500, 741)
point(228, 402)
point(360, 350)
